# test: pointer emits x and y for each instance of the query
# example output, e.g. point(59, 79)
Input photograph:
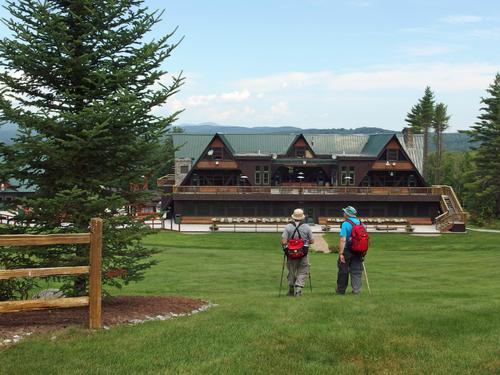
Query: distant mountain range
point(452, 141)
point(210, 127)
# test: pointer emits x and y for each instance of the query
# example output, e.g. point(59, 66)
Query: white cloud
point(236, 96)
point(175, 105)
point(222, 115)
point(460, 19)
point(280, 108)
point(200, 100)
point(493, 33)
point(248, 111)
point(441, 76)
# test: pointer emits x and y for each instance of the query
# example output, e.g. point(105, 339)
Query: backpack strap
point(352, 225)
point(350, 222)
point(296, 231)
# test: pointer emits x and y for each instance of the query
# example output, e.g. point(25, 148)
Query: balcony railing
point(298, 189)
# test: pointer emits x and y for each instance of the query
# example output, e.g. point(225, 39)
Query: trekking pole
point(366, 277)
point(310, 281)
point(282, 271)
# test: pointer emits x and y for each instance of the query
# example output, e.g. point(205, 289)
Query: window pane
point(265, 178)
point(392, 154)
point(352, 178)
point(343, 180)
point(257, 178)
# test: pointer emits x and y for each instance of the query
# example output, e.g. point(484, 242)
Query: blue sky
point(343, 63)
point(324, 64)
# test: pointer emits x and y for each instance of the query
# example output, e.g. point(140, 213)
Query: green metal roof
point(336, 144)
point(266, 143)
point(17, 187)
point(375, 143)
point(192, 145)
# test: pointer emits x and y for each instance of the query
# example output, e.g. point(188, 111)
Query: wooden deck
point(316, 190)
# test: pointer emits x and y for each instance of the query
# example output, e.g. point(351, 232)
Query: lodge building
point(268, 175)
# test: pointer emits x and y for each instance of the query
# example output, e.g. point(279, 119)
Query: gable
point(300, 149)
point(193, 145)
point(217, 149)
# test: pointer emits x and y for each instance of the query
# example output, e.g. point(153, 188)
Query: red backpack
point(359, 237)
point(295, 246)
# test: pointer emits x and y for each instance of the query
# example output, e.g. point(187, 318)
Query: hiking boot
point(291, 292)
point(339, 292)
point(298, 292)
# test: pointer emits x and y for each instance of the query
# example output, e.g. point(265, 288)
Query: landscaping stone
point(51, 293)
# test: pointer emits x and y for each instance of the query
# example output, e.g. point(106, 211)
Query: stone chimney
point(182, 167)
point(408, 137)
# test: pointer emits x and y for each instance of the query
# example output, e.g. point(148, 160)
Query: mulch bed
point(116, 310)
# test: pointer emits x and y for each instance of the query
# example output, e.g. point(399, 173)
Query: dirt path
point(320, 243)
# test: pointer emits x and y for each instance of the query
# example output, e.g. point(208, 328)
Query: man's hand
point(342, 258)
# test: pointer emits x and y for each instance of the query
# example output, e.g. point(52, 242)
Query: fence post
point(95, 315)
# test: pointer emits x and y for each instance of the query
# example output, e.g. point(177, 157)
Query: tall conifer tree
point(426, 116)
point(414, 118)
point(440, 124)
point(82, 83)
point(420, 119)
point(484, 191)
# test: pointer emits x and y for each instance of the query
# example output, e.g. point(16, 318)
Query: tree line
point(474, 175)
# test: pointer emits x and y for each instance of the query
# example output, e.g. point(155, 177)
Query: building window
point(366, 182)
point(300, 152)
point(392, 154)
point(195, 180)
point(412, 181)
point(216, 153)
point(265, 175)
point(184, 169)
point(347, 176)
point(257, 175)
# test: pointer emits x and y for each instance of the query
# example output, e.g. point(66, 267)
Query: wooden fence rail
point(93, 300)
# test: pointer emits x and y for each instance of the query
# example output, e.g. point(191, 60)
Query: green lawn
point(435, 309)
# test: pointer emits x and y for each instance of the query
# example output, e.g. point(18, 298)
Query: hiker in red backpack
point(352, 249)
point(296, 238)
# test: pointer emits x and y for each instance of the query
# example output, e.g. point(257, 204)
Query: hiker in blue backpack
point(351, 257)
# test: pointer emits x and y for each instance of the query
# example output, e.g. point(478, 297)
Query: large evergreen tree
point(426, 116)
point(484, 191)
point(81, 82)
point(440, 124)
point(420, 120)
point(414, 118)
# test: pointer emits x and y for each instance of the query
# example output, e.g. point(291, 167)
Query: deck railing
point(318, 190)
point(447, 218)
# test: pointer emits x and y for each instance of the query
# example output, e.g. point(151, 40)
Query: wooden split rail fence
point(93, 300)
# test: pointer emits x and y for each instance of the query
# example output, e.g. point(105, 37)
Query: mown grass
point(434, 310)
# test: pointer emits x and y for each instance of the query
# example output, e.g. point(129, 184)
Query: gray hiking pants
point(354, 266)
point(298, 270)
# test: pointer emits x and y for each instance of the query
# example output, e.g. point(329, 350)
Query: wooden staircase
point(453, 218)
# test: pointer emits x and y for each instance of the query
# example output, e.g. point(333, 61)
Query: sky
point(328, 64)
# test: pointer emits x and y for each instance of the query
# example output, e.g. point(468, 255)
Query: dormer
point(300, 149)
point(393, 152)
point(217, 149)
